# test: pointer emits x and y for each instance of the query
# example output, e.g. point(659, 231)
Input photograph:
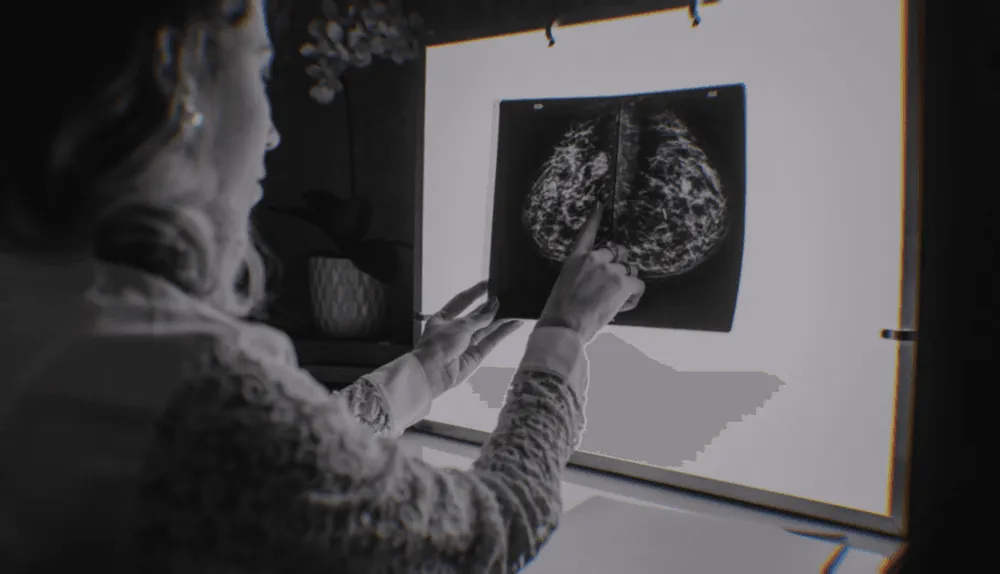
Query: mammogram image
point(664, 199)
point(670, 169)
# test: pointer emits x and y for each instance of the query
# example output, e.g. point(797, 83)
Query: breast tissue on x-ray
point(664, 200)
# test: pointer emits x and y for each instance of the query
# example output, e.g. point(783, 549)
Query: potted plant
point(348, 283)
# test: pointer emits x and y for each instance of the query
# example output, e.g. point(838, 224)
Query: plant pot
point(347, 303)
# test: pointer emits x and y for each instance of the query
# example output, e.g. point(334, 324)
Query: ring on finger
point(614, 252)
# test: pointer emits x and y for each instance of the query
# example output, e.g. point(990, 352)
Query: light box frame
point(893, 524)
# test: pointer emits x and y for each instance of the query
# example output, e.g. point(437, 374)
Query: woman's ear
point(167, 56)
point(179, 59)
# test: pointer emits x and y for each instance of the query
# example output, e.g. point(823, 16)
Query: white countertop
point(864, 552)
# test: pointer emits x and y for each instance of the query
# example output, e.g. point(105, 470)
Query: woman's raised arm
point(255, 464)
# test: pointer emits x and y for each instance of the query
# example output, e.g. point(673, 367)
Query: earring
point(192, 116)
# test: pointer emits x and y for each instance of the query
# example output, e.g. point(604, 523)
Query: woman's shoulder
point(121, 322)
point(149, 307)
point(209, 345)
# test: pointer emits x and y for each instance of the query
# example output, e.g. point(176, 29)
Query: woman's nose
point(273, 138)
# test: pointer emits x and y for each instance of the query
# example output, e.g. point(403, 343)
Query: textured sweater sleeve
point(256, 468)
point(390, 399)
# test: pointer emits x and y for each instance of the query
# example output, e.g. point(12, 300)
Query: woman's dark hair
point(85, 107)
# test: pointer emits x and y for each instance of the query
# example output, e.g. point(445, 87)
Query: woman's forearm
point(307, 488)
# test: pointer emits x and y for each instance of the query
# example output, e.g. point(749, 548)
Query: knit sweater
point(142, 431)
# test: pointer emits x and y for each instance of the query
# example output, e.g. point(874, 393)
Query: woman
point(146, 427)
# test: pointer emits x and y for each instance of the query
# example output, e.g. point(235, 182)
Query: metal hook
point(548, 32)
point(693, 11)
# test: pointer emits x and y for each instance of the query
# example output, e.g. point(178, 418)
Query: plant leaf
point(352, 220)
point(344, 221)
point(365, 213)
point(378, 258)
point(294, 211)
point(322, 202)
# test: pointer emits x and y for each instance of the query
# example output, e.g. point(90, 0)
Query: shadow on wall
point(677, 415)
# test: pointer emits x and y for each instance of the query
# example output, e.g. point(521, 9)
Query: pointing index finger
point(588, 234)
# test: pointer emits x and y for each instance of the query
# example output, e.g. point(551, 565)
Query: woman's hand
point(452, 347)
point(593, 286)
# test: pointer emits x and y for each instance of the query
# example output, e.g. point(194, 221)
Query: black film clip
point(548, 32)
point(899, 334)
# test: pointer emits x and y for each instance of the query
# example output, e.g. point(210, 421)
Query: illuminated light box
point(761, 168)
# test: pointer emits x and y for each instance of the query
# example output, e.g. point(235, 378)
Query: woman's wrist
point(560, 352)
point(427, 358)
point(553, 322)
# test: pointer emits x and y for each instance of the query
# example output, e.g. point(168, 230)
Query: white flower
point(335, 32)
point(322, 93)
point(388, 30)
point(355, 35)
point(317, 29)
point(342, 52)
point(362, 59)
point(369, 30)
point(309, 50)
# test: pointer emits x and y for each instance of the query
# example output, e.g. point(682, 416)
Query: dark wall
point(953, 442)
point(314, 154)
